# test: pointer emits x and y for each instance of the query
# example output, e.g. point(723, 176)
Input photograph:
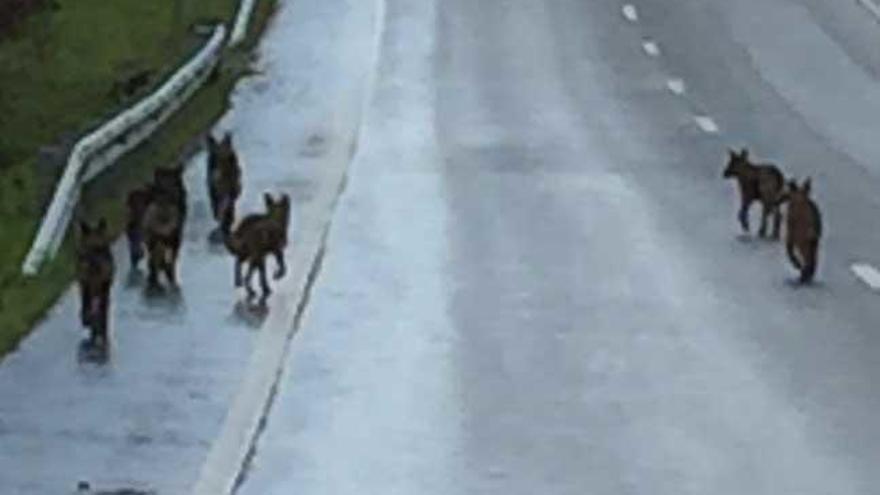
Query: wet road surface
point(535, 284)
point(534, 281)
point(147, 418)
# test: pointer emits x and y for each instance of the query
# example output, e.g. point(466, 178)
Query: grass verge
point(23, 301)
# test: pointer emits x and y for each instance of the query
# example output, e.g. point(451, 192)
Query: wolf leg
point(777, 221)
point(169, 266)
point(86, 305)
point(154, 265)
point(743, 215)
point(264, 280)
point(227, 216)
point(765, 212)
point(237, 272)
point(282, 268)
point(135, 245)
point(248, 278)
point(789, 248)
point(104, 310)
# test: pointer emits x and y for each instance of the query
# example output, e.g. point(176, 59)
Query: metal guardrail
point(98, 150)
point(242, 19)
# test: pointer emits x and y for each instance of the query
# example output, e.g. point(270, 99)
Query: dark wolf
point(803, 229)
point(256, 237)
point(95, 270)
point(157, 214)
point(761, 182)
point(224, 181)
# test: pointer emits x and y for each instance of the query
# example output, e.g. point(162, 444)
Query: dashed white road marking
point(630, 12)
point(706, 124)
point(867, 274)
point(651, 48)
point(676, 86)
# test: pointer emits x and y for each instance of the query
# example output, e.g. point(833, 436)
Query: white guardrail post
point(100, 149)
point(242, 19)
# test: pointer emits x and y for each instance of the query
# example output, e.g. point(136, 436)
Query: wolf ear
point(84, 227)
point(792, 185)
point(744, 154)
point(227, 139)
point(212, 143)
point(267, 198)
point(807, 185)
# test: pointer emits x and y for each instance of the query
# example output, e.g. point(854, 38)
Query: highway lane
point(536, 284)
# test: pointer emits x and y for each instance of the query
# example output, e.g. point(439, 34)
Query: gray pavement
point(147, 419)
point(534, 283)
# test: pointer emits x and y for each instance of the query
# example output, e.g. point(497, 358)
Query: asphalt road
point(535, 282)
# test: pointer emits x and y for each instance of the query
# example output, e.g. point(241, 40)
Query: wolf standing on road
point(258, 236)
point(803, 229)
point(95, 269)
point(163, 224)
point(224, 181)
point(761, 182)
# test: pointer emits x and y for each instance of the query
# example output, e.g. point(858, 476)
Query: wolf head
point(737, 163)
point(278, 209)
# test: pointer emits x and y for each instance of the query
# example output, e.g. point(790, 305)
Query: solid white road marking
point(706, 124)
point(651, 48)
point(630, 12)
point(867, 274)
point(871, 7)
point(676, 86)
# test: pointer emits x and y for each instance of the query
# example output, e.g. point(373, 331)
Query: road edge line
point(223, 470)
point(871, 7)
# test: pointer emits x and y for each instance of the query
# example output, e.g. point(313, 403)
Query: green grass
point(91, 56)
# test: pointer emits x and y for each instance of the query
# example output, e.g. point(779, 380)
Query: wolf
point(224, 181)
point(167, 182)
point(757, 182)
point(95, 269)
point(162, 224)
point(803, 229)
point(256, 237)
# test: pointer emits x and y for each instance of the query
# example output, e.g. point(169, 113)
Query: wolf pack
point(156, 216)
point(764, 183)
point(157, 212)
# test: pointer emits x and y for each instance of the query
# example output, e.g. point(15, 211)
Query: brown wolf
point(803, 229)
point(224, 181)
point(95, 269)
point(163, 222)
point(138, 201)
point(258, 236)
point(762, 182)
